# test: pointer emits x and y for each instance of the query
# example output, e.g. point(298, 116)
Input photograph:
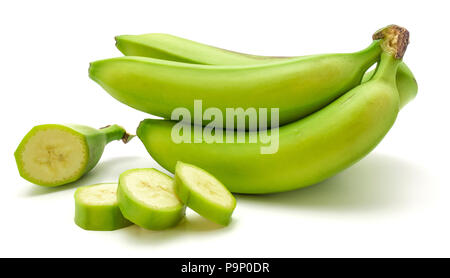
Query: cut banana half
point(97, 209)
point(55, 154)
point(51, 155)
point(147, 198)
point(203, 193)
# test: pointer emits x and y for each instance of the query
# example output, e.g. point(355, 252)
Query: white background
point(395, 202)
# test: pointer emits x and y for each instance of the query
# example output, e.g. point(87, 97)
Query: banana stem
point(372, 53)
point(394, 40)
point(115, 132)
point(387, 68)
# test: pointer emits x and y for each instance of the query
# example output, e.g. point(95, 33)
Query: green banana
point(297, 87)
point(173, 48)
point(310, 150)
point(53, 154)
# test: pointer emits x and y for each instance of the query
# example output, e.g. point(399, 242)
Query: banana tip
point(116, 39)
point(91, 70)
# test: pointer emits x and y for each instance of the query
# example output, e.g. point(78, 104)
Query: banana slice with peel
point(203, 193)
point(147, 198)
point(96, 208)
point(54, 154)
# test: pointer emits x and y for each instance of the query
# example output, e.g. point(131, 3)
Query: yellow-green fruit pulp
point(55, 154)
point(97, 209)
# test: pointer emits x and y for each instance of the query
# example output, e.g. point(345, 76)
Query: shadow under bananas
point(106, 171)
point(377, 182)
point(192, 224)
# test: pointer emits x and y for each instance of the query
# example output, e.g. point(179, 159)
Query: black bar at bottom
point(220, 267)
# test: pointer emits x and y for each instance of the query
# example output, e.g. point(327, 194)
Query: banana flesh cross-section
point(55, 154)
point(96, 208)
point(147, 198)
point(203, 193)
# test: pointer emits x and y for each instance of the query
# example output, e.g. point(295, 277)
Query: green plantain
point(173, 48)
point(310, 150)
point(297, 87)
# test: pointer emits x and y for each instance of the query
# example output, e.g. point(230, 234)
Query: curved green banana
point(173, 48)
point(53, 154)
point(297, 87)
point(310, 150)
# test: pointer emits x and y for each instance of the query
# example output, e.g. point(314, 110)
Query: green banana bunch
point(173, 48)
point(310, 150)
point(297, 86)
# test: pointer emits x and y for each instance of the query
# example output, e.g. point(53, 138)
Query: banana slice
point(147, 198)
point(97, 209)
point(54, 154)
point(203, 193)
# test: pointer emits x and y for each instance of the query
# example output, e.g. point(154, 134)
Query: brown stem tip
point(395, 40)
point(127, 138)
